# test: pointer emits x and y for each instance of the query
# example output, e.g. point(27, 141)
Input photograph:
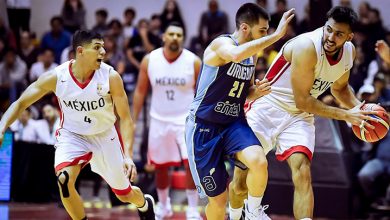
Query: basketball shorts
point(276, 128)
point(103, 151)
point(167, 146)
point(208, 146)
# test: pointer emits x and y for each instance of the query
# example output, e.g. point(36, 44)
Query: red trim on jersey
point(295, 149)
point(277, 69)
point(120, 140)
point(248, 106)
point(168, 164)
point(333, 62)
point(61, 117)
point(80, 84)
point(122, 192)
point(171, 60)
point(86, 157)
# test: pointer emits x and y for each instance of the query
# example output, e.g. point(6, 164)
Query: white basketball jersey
point(326, 73)
point(86, 108)
point(172, 86)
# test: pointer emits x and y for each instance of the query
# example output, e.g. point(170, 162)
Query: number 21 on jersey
point(236, 86)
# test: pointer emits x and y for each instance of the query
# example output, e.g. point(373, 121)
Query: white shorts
point(103, 151)
point(289, 133)
point(167, 146)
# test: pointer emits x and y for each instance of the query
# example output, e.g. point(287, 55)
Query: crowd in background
point(24, 57)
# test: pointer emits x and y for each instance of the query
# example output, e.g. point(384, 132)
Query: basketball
point(381, 127)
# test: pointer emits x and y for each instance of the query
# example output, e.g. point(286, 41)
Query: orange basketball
point(381, 127)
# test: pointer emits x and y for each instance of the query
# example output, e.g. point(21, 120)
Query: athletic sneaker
point(257, 214)
point(149, 214)
point(163, 212)
point(193, 214)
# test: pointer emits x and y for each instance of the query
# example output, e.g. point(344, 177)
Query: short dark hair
point(102, 12)
point(56, 18)
point(82, 37)
point(250, 13)
point(176, 24)
point(343, 15)
point(130, 11)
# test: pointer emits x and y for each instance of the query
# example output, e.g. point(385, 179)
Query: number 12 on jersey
point(236, 86)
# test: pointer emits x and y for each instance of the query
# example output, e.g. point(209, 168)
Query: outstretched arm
point(222, 50)
point(45, 84)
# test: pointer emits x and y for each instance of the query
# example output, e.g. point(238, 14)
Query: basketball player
point(88, 90)
point(216, 126)
point(305, 67)
point(171, 71)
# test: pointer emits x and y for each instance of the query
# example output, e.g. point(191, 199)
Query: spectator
point(113, 54)
point(281, 7)
point(142, 43)
point(50, 123)
point(7, 35)
point(170, 14)
point(116, 31)
point(379, 166)
point(27, 129)
point(128, 26)
point(73, 15)
point(155, 26)
point(19, 13)
point(359, 70)
point(364, 10)
point(45, 64)
point(101, 26)
point(213, 23)
point(57, 38)
point(13, 72)
point(263, 4)
point(27, 51)
point(345, 3)
point(2, 48)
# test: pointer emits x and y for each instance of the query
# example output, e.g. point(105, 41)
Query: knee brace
point(64, 184)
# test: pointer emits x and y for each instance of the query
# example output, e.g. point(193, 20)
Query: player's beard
point(174, 47)
point(336, 49)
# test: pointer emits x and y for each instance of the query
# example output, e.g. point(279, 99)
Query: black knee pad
point(64, 184)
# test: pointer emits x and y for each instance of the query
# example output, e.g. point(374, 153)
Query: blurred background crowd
point(24, 56)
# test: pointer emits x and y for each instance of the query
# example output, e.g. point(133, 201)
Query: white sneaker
point(193, 214)
point(163, 212)
point(258, 214)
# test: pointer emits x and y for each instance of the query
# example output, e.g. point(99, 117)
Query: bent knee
point(239, 188)
point(257, 162)
point(302, 174)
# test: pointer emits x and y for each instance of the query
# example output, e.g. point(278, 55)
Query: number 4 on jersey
point(88, 120)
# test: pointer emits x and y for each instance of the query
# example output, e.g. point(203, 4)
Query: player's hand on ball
point(263, 87)
point(359, 117)
point(130, 169)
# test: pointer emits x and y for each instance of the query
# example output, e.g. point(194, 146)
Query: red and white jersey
point(326, 73)
point(172, 86)
point(86, 108)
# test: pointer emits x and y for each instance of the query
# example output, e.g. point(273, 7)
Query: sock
point(235, 214)
point(305, 219)
point(163, 195)
point(192, 198)
point(144, 208)
point(254, 202)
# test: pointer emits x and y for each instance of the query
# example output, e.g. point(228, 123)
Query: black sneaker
point(242, 214)
point(149, 214)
